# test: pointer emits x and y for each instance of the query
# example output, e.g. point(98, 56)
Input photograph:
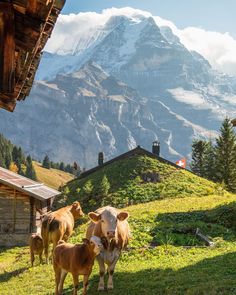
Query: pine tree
point(104, 186)
point(210, 161)
point(198, 164)
point(5, 152)
point(88, 188)
point(30, 171)
point(62, 166)
point(18, 158)
point(46, 162)
point(226, 156)
point(15, 154)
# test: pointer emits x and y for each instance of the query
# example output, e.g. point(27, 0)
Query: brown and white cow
point(59, 225)
point(112, 227)
point(76, 259)
point(36, 247)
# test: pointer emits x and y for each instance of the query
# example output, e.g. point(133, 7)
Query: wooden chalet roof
point(25, 26)
point(32, 188)
point(233, 121)
point(136, 151)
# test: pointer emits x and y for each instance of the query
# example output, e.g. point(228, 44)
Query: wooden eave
point(26, 186)
point(25, 26)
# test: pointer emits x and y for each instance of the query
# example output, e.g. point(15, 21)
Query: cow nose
point(111, 234)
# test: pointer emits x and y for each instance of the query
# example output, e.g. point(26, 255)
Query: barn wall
point(15, 217)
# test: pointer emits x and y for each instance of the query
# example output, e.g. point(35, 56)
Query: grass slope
point(160, 259)
point(127, 186)
point(52, 177)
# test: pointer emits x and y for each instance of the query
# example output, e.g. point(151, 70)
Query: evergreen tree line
point(216, 160)
point(13, 158)
point(72, 169)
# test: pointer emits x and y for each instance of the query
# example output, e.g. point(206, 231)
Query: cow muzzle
point(111, 234)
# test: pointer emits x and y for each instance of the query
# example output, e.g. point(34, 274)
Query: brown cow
point(76, 259)
point(59, 225)
point(112, 227)
point(36, 247)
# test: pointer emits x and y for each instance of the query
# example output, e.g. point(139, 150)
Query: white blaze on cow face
point(97, 243)
point(108, 220)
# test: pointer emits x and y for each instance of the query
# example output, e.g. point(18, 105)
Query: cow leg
point(85, 284)
point(57, 279)
point(111, 269)
point(62, 279)
point(46, 244)
point(53, 248)
point(101, 272)
point(32, 258)
point(40, 258)
point(76, 283)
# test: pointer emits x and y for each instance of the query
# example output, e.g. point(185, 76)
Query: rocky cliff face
point(75, 116)
point(129, 83)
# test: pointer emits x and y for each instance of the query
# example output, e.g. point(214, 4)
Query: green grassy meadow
point(128, 188)
point(164, 255)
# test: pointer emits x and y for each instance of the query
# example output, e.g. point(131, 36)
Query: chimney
point(156, 148)
point(100, 158)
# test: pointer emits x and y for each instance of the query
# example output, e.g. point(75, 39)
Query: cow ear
point(85, 241)
point(122, 216)
point(94, 217)
point(76, 204)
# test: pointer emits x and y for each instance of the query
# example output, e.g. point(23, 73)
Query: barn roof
point(136, 151)
point(25, 26)
point(32, 188)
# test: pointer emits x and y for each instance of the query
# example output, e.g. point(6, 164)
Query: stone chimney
point(156, 148)
point(100, 159)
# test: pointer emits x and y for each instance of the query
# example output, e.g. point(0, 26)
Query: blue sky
point(214, 15)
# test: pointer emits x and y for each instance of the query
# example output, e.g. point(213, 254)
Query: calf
point(59, 225)
point(112, 227)
point(76, 259)
point(36, 247)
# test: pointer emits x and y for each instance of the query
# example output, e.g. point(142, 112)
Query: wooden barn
point(25, 26)
point(21, 202)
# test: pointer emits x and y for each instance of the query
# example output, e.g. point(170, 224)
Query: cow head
point(76, 210)
point(94, 243)
point(108, 221)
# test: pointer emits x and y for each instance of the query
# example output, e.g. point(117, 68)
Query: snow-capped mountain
point(75, 116)
point(125, 83)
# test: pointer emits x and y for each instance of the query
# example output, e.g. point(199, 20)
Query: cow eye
point(102, 220)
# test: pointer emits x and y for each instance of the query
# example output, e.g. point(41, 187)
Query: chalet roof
point(136, 151)
point(233, 121)
point(25, 26)
point(32, 188)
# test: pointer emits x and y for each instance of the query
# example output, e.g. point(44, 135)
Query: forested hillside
point(13, 158)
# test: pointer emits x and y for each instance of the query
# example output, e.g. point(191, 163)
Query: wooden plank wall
point(15, 211)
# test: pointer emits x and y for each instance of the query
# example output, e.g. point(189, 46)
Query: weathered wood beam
point(21, 3)
point(59, 4)
point(8, 106)
point(27, 32)
point(39, 9)
point(204, 238)
point(7, 48)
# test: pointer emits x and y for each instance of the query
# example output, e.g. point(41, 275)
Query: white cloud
point(189, 97)
point(230, 99)
point(218, 48)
